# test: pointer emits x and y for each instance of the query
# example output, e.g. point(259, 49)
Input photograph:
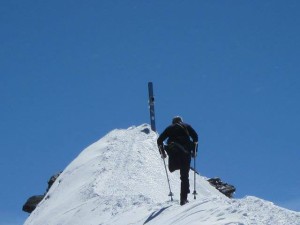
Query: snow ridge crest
point(120, 179)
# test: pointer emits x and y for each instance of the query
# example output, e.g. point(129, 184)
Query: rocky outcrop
point(33, 201)
point(226, 189)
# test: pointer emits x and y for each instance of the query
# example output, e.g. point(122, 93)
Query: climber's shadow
point(155, 214)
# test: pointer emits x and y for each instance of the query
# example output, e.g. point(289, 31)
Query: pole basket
point(195, 193)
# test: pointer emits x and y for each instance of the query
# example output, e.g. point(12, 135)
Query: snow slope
point(121, 180)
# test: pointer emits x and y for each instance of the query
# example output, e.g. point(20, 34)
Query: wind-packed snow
point(121, 180)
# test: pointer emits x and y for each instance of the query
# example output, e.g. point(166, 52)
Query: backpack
point(190, 146)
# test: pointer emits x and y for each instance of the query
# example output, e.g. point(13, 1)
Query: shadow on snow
point(155, 214)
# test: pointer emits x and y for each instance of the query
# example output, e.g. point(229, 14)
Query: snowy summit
point(120, 180)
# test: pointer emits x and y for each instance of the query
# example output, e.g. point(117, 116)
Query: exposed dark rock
point(52, 180)
point(226, 189)
point(33, 201)
point(146, 131)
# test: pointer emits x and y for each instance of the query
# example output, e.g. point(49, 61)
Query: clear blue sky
point(71, 71)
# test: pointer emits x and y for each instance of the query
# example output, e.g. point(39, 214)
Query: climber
point(180, 148)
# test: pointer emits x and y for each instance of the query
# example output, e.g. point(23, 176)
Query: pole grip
point(196, 149)
point(161, 151)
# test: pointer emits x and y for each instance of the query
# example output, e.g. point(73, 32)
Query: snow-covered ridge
point(120, 179)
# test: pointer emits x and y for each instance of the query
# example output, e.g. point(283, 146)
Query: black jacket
point(178, 133)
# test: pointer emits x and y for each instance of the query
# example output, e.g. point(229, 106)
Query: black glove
point(163, 155)
point(194, 151)
point(162, 152)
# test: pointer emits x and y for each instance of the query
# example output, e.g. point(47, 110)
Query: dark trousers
point(184, 176)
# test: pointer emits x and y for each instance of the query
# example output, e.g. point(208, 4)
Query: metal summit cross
point(151, 106)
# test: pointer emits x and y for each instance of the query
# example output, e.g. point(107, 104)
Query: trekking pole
point(195, 155)
point(161, 153)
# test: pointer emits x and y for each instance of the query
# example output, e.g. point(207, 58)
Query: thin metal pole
point(195, 155)
point(170, 194)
